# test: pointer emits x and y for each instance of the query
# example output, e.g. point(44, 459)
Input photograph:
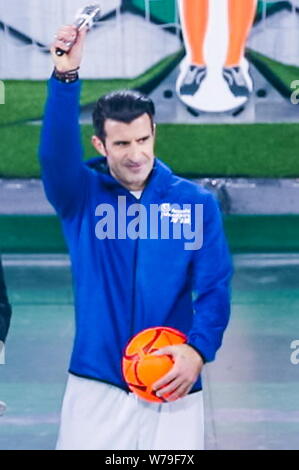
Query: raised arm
point(63, 172)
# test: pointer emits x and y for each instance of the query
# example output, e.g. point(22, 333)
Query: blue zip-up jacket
point(124, 285)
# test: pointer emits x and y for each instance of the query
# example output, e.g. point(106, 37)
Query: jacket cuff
point(58, 89)
point(198, 352)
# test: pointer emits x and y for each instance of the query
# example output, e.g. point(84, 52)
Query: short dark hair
point(123, 106)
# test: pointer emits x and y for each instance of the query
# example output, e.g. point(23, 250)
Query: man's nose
point(135, 153)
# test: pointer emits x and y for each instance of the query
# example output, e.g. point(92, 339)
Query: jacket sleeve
point(211, 273)
point(63, 172)
point(5, 308)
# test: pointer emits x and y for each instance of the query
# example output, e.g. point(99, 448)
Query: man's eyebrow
point(144, 137)
point(116, 142)
point(121, 141)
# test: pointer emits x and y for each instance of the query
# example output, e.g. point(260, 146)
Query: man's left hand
point(184, 373)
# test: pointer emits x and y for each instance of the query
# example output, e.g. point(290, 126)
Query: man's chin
point(138, 181)
point(136, 185)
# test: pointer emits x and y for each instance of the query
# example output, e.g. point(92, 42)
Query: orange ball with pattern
point(140, 368)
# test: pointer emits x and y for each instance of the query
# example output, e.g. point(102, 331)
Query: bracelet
point(66, 77)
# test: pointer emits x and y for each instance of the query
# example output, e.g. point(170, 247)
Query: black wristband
point(66, 77)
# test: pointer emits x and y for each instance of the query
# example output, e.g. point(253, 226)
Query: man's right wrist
point(69, 76)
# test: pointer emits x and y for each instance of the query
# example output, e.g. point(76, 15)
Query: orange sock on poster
point(240, 18)
point(194, 15)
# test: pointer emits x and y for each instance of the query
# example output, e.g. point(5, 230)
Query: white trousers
point(99, 416)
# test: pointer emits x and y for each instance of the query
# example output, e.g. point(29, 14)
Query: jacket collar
point(158, 182)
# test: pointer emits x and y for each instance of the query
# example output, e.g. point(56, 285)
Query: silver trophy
point(87, 16)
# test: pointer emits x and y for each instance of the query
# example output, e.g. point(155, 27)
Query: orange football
point(140, 369)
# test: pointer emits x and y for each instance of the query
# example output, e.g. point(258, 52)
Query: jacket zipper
point(132, 327)
point(133, 322)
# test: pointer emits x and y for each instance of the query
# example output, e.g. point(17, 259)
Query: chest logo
point(182, 216)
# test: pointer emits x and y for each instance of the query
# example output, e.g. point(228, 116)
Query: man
point(5, 315)
point(126, 283)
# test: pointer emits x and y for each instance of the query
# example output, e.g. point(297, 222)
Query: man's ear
point(98, 145)
point(154, 129)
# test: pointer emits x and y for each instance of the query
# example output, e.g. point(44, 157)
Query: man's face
point(129, 149)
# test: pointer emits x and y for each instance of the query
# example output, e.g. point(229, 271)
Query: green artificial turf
point(245, 234)
point(24, 99)
point(253, 150)
point(286, 74)
point(256, 150)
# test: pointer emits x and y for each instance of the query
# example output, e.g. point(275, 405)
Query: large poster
point(234, 55)
point(214, 75)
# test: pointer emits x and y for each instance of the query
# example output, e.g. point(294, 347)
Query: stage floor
point(251, 390)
